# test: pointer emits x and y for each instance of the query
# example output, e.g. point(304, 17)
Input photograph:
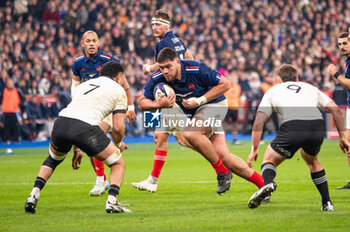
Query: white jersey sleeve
point(96, 99)
point(266, 104)
point(323, 100)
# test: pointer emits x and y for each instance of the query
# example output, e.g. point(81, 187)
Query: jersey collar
point(169, 33)
point(95, 58)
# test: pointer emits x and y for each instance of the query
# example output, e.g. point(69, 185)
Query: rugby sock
point(100, 169)
point(113, 193)
point(38, 185)
point(220, 167)
point(268, 172)
point(320, 180)
point(257, 179)
point(39, 182)
point(158, 163)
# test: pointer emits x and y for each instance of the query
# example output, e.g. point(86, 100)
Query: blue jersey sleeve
point(115, 59)
point(75, 69)
point(209, 76)
point(148, 89)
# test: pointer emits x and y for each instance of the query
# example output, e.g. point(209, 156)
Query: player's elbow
point(119, 130)
point(225, 85)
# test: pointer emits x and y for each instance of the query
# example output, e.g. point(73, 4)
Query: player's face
point(90, 43)
point(344, 46)
point(170, 70)
point(159, 30)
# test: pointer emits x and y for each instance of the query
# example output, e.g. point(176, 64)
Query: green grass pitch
point(186, 198)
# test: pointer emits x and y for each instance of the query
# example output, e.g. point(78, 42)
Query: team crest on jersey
point(92, 75)
point(98, 68)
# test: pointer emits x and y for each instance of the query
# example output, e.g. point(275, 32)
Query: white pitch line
point(175, 182)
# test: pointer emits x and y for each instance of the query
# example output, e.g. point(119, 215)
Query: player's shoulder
point(157, 75)
point(79, 59)
point(191, 66)
point(107, 57)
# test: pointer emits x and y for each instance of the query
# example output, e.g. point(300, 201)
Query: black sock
point(320, 180)
point(113, 190)
point(268, 172)
point(39, 182)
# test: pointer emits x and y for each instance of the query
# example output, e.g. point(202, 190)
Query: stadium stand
point(41, 39)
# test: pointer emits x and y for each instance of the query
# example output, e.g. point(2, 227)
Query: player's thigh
point(309, 159)
point(61, 134)
point(314, 137)
point(289, 139)
point(272, 156)
point(213, 114)
point(109, 155)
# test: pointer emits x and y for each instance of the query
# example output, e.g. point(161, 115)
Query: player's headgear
point(161, 17)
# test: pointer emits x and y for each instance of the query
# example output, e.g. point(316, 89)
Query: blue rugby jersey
point(171, 41)
point(196, 79)
point(90, 68)
point(347, 75)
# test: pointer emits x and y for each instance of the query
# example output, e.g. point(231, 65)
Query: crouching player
point(78, 126)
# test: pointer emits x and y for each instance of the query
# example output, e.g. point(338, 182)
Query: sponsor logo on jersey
point(92, 75)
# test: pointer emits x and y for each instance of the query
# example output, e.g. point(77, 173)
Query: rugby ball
point(162, 88)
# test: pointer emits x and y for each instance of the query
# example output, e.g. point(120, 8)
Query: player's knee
point(188, 135)
point(52, 161)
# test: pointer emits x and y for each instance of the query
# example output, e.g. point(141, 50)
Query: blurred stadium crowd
point(244, 40)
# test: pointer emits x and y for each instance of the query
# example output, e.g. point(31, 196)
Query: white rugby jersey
point(294, 101)
point(95, 99)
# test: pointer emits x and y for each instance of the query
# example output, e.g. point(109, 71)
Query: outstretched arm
point(333, 109)
point(257, 131)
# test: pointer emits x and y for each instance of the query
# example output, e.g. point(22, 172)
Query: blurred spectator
point(233, 96)
point(34, 116)
point(10, 106)
point(43, 37)
point(51, 14)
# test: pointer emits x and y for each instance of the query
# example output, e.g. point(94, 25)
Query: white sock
point(100, 179)
point(35, 192)
point(112, 199)
point(152, 180)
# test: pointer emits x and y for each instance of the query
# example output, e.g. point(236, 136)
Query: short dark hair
point(287, 72)
point(166, 54)
point(343, 35)
point(162, 14)
point(111, 69)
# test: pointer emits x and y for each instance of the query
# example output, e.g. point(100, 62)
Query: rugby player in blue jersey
point(344, 80)
point(199, 92)
point(167, 39)
point(87, 67)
